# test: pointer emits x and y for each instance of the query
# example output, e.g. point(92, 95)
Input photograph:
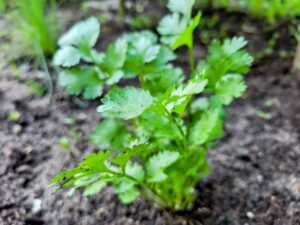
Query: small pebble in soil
point(24, 169)
point(81, 117)
point(7, 152)
point(36, 205)
point(203, 212)
point(28, 149)
point(260, 178)
point(16, 129)
point(250, 215)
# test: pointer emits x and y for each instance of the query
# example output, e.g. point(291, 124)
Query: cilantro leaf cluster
point(153, 138)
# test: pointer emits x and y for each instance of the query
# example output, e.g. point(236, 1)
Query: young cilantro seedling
point(154, 137)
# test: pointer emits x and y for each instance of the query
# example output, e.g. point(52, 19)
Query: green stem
point(122, 9)
point(48, 76)
point(172, 119)
point(192, 72)
point(192, 60)
point(142, 81)
point(154, 195)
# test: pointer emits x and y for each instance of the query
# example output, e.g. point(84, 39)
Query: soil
point(255, 176)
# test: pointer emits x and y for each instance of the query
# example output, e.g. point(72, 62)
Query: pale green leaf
point(125, 103)
point(115, 56)
point(67, 56)
point(230, 86)
point(82, 80)
point(110, 133)
point(194, 86)
point(93, 91)
point(94, 188)
point(84, 33)
point(207, 128)
point(158, 125)
point(233, 45)
point(151, 53)
point(115, 77)
point(181, 6)
point(170, 26)
point(185, 38)
point(180, 96)
point(158, 163)
point(135, 170)
point(126, 190)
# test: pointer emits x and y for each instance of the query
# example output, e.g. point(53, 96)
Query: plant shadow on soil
point(255, 167)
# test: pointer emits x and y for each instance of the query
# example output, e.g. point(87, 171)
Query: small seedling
point(13, 116)
point(35, 87)
point(264, 115)
point(64, 143)
point(270, 10)
point(154, 137)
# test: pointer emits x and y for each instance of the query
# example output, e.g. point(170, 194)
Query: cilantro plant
point(271, 10)
point(154, 138)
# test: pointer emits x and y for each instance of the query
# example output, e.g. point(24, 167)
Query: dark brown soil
point(255, 177)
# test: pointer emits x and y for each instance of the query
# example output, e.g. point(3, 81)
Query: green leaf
point(82, 80)
point(229, 87)
point(226, 58)
point(183, 6)
point(115, 56)
point(125, 103)
point(158, 126)
point(110, 133)
point(207, 128)
point(170, 26)
point(151, 53)
point(96, 162)
point(180, 96)
point(65, 175)
point(135, 170)
point(145, 56)
point(201, 104)
point(129, 196)
point(115, 77)
point(126, 190)
point(142, 46)
point(67, 56)
point(122, 158)
point(135, 36)
point(94, 188)
point(158, 163)
point(231, 46)
point(159, 81)
point(194, 86)
point(84, 33)
point(186, 36)
point(93, 91)
point(13, 116)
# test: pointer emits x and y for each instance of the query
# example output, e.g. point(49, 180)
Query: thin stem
point(156, 197)
point(122, 9)
point(192, 72)
point(192, 60)
point(142, 81)
point(172, 119)
point(49, 78)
